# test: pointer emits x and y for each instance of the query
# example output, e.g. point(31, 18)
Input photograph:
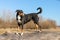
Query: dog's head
point(19, 12)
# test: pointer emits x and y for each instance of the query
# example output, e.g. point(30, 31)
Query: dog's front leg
point(22, 28)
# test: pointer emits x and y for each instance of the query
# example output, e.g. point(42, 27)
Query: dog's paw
point(16, 33)
point(40, 31)
point(21, 34)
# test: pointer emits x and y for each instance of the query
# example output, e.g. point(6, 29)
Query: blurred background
point(50, 17)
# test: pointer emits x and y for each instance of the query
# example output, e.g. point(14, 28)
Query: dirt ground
point(35, 35)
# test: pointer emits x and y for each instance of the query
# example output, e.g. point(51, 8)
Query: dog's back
point(31, 16)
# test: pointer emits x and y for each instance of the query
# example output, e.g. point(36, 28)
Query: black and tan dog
point(24, 18)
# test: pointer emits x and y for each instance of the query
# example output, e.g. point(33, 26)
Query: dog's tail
point(40, 10)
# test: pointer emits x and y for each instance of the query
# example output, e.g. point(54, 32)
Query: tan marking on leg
point(21, 32)
point(18, 29)
point(36, 26)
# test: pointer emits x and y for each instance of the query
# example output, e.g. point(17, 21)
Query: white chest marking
point(19, 18)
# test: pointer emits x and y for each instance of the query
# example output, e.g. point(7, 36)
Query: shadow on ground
point(45, 35)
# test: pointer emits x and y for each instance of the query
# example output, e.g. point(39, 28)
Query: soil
point(44, 35)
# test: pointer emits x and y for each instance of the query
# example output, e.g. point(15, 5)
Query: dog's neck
point(20, 16)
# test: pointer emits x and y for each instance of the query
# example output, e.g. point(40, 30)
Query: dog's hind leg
point(40, 28)
point(37, 25)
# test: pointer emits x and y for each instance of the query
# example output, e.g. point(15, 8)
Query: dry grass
point(10, 25)
point(13, 30)
point(48, 34)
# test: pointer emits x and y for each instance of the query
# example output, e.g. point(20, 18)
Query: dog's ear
point(19, 11)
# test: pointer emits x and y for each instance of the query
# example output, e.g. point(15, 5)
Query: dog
point(24, 18)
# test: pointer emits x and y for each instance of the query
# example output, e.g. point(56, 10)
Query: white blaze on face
point(19, 18)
